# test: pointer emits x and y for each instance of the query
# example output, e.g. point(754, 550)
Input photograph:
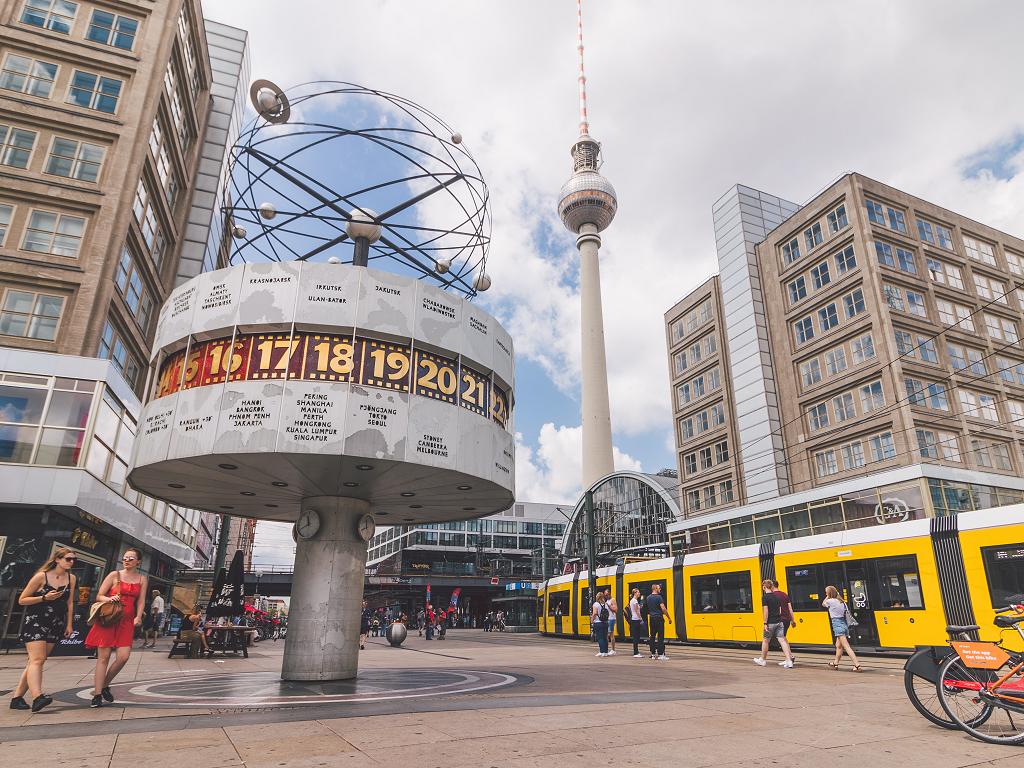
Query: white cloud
point(551, 472)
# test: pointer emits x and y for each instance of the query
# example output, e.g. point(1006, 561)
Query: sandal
point(856, 668)
point(834, 665)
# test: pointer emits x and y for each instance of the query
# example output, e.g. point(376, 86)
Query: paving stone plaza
point(492, 700)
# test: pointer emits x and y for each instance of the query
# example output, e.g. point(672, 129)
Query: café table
point(228, 639)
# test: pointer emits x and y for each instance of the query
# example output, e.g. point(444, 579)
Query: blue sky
point(687, 99)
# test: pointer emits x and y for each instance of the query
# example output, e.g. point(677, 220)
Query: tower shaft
point(596, 412)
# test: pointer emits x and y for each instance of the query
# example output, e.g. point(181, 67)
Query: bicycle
point(981, 684)
point(921, 675)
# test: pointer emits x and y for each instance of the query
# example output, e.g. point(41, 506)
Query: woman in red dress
point(128, 587)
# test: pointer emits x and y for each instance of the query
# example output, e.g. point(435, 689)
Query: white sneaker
point(599, 655)
point(663, 657)
point(760, 662)
point(638, 655)
point(788, 664)
point(653, 656)
point(611, 653)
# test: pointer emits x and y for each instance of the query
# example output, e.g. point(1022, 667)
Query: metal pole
point(361, 255)
point(222, 544)
point(588, 506)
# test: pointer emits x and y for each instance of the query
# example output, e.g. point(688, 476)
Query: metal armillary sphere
point(332, 171)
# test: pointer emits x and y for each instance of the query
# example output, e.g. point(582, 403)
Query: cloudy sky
point(687, 99)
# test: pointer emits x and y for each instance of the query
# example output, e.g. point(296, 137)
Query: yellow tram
point(904, 582)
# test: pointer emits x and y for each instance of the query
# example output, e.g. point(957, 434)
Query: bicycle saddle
point(1008, 621)
point(954, 629)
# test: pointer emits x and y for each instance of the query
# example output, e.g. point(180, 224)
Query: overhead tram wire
point(882, 411)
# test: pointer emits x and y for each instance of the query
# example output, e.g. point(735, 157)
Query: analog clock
point(307, 525)
point(365, 527)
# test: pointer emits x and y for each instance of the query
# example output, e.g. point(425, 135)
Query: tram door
point(852, 579)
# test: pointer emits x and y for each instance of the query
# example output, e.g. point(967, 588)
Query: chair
point(190, 648)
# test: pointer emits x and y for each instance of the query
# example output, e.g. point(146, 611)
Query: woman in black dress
point(48, 612)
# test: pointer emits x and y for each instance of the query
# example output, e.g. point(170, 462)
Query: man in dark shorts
point(773, 625)
point(786, 612)
point(657, 615)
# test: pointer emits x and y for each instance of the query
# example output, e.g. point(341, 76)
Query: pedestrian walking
point(657, 615)
point(48, 618)
point(841, 619)
point(127, 587)
point(154, 621)
point(788, 617)
point(774, 626)
point(364, 625)
point(636, 622)
point(599, 622)
point(613, 612)
point(430, 622)
point(420, 617)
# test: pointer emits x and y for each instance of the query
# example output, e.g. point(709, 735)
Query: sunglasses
point(129, 558)
point(70, 559)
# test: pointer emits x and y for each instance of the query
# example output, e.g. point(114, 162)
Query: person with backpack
point(613, 613)
point(841, 619)
point(657, 614)
point(636, 622)
point(599, 623)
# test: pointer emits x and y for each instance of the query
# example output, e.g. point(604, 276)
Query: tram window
point(803, 584)
point(1004, 568)
point(558, 603)
point(587, 599)
point(899, 584)
point(721, 593)
point(645, 587)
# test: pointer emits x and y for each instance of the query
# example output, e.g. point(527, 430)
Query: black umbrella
point(227, 595)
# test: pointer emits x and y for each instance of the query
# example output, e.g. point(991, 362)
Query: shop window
point(1004, 569)
point(899, 584)
point(722, 593)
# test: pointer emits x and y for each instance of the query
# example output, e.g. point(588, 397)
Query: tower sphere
point(362, 224)
point(587, 198)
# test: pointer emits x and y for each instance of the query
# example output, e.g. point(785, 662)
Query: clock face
point(307, 525)
point(366, 526)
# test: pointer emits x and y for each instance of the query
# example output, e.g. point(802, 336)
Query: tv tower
point(587, 206)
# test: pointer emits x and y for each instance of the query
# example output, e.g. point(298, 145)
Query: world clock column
point(332, 535)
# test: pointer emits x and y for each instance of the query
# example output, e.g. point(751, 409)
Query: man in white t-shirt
point(155, 622)
point(636, 623)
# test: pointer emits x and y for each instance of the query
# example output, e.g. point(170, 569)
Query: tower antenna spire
point(584, 122)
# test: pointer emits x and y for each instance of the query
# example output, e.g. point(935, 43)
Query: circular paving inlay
point(266, 689)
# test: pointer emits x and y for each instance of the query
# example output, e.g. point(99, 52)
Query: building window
point(955, 315)
point(905, 261)
point(884, 253)
point(1000, 328)
point(893, 297)
point(853, 455)
point(825, 463)
point(904, 343)
point(882, 447)
point(113, 348)
point(717, 415)
point(16, 146)
point(949, 444)
point(111, 29)
point(6, 212)
point(837, 219)
point(693, 500)
point(990, 289)
point(871, 397)
point(957, 356)
point(820, 276)
point(843, 406)
point(812, 237)
point(926, 346)
point(94, 91)
point(54, 233)
point(791, 251)
point(979, 250)
point(981, 454)
point(810, 372)
point(797, 290)
point(30, 315)
point(144, 209)
point(888, 216)
point(862, 349)
point(875, 213)
point(978, 405)
point(690, 463)
point(679, 362)
point(828, 317)
point(721, 452)
point(835, 361)
point(804, 330)
point(817, 417)
point(133, 291)
point(845, 260)
point(705, 457)
point(1016, 409)
point(853, 303)
point(725, 492)
point(75, 159)
point(927, 444)
point(1001, 456)
point(54, 15)
point(944, 274)
point(25, 75)
point(976, 361)
point(916, 304)
point(1015, 262)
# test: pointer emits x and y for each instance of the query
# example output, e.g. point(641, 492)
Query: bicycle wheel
point(925, 697)
point(963, 696)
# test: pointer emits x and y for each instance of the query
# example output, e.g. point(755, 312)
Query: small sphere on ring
point(456, 138)
point(482, 282)
point(268, 100)
point(268, 211)
point(334, 260)
point(362, 224)
point(441, 266)
point(238, 232)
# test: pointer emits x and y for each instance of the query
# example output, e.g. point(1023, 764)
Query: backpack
point(603, 614)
